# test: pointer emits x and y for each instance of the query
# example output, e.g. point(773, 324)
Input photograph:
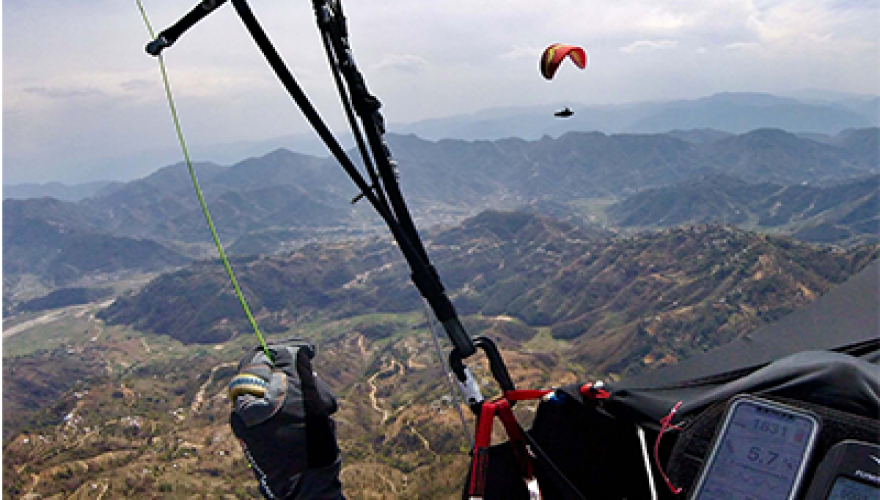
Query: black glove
point(282, 416)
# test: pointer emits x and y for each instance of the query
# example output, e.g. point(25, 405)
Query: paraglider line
point(202, 203)
point(454, 391)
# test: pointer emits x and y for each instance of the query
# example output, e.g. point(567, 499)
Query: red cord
point(665, 425)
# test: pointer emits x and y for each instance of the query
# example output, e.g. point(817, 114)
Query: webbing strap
point(396, 216)
point(502, 409)
point(517, 438)
point(480, 455)
point(526, 394)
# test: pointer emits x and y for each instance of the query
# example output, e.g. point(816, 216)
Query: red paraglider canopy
point(554, 54)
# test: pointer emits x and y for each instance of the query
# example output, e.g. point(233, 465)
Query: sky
point(82, 101)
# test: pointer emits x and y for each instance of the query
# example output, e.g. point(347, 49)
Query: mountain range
point(819, 114)
point(286, 198)
point(841, 214)
point(653, 159)
point(820, 191)
point(41, 238)
point(729, 112)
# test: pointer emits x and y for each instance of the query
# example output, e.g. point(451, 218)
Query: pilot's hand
point(281, 414)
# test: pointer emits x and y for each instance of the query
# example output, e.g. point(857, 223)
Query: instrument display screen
point(760, 452)
point(848, 489)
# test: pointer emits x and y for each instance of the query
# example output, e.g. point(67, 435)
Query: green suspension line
point(192, 175)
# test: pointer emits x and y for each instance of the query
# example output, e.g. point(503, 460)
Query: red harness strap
point(480, 456)
point(526, 394)
point(501, 408)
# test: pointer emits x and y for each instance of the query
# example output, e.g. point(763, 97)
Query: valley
point(585, 257)
point(105, 402)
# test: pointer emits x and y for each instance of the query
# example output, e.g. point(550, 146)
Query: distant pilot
point(564, 113)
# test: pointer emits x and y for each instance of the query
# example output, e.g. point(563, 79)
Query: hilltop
point(586, 287)
point(846, 213)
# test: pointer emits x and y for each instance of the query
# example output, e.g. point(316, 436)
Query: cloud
point(103, 89)
point(658, 20)
point(402, 63)
point(522, 52)
point(790, 24)
point(854, 5)
point(63, 92)
point(649, 46)
point(138, 85)
point(743, 46)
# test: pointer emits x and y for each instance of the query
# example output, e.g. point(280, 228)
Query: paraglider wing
point(556, 53)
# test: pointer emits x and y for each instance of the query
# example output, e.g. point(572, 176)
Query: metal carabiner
point(466, 380)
